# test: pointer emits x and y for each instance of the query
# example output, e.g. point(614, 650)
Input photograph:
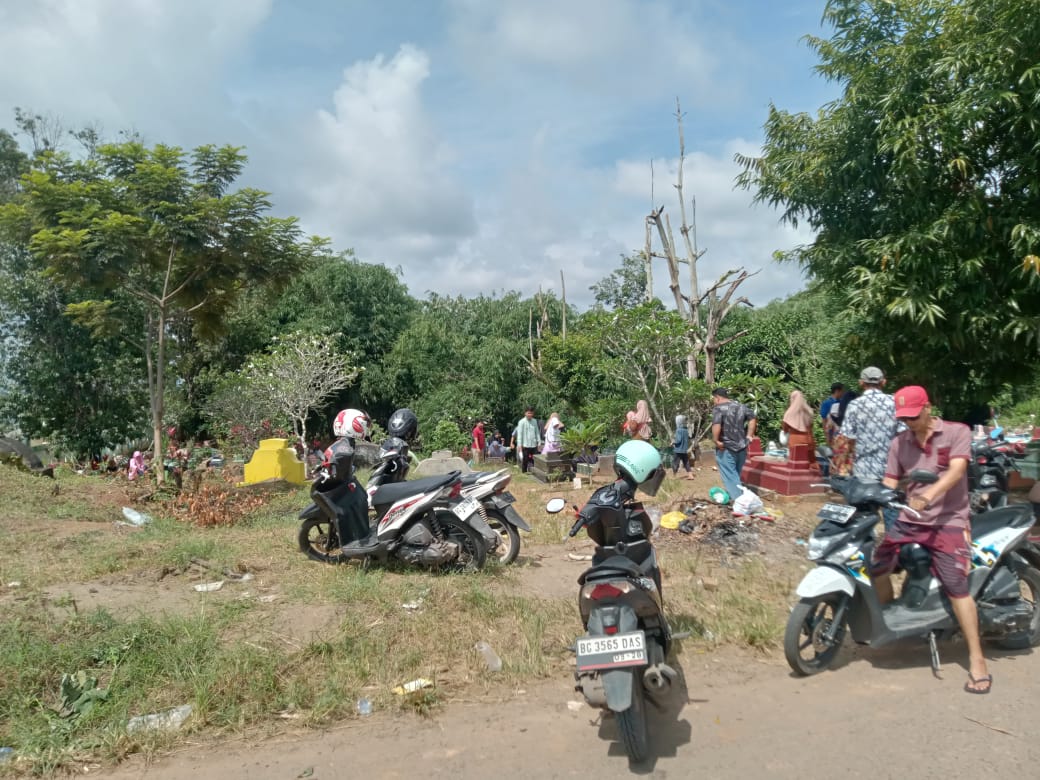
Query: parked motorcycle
point(839, 594)
point(621, 657)
point(484, 501)
point(410, 522)
point(989, 474)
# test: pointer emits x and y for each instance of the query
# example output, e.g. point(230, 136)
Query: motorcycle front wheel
point(806, 649)
point(1029, 584)
point(631, 723)
point(509, 544)
point(472, 551)
point(319, 541)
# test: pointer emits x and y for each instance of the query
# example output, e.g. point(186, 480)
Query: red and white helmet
point(352, 423)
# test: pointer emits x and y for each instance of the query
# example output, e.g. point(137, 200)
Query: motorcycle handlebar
point(905, 508)
point(578, 524)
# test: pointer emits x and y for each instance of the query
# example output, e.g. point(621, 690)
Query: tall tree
point(920, 182)
point(159, 226)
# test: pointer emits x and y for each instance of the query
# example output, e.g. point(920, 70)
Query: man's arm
point(716, 434)
point(958, 468)
point(752, 426)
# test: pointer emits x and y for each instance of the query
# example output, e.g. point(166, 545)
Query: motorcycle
point(409, 522)
point(839, 594)
point(989, 474)
point(484, 501)
point(621, 657)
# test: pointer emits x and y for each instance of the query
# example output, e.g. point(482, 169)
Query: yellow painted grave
point(275, 459)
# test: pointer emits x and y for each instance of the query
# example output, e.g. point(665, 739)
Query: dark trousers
point(680, 459)
point(526, 457)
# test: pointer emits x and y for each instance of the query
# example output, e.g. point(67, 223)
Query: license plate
point(465, 507)
point(836, 513)
point(611, 652)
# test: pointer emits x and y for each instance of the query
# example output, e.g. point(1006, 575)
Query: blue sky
point(478, 146)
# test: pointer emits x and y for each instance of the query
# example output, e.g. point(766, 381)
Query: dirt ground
point(738, 713)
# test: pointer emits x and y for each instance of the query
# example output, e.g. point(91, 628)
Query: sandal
point(988, 679)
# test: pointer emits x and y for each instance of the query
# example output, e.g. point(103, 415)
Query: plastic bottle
point(364, 707)
point(6, 754)
point(494, 663)
point(166, 720)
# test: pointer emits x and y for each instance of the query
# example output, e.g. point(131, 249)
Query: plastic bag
point(785, 437)
point(747, 503)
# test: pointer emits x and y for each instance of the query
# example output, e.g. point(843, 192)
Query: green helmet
point(639, 462)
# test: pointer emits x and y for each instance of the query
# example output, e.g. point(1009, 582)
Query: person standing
point(797, 424)
point(479, 442)
point(837, 390)
point(681, 448)
point(637, 423)
point(732, 427)
point(869, 427)
point(942, 520)
point(526, 438)
point(553, 428)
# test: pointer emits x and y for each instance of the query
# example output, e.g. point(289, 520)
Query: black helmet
point(403, 424)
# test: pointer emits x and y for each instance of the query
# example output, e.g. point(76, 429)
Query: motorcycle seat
point(471, 478)
point(611, 568)
point(395, 491)
point(1011, 516)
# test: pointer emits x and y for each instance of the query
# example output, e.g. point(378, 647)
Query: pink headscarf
point(799, 415)
point(638, 422)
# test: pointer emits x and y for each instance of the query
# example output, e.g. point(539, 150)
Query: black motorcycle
point(621, 658)
point(989, 474)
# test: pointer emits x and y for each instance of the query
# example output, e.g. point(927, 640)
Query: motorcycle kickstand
point(934, 650)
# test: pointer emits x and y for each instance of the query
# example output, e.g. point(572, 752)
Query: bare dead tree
point(704, 312)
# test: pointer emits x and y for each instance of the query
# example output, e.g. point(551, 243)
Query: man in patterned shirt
point(870, 425)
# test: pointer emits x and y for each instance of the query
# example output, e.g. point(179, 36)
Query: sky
point(479, 146)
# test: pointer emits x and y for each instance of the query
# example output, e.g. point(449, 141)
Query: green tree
point(160, 227)
point(920, 183)
point(625, 287)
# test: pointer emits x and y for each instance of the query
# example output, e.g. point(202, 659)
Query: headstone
point(275, 459)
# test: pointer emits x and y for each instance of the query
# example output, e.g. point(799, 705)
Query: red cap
point(910, 401)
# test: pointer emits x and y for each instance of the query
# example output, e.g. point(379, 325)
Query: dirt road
point(881, 714)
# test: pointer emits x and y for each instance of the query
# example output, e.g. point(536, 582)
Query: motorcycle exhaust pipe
point(658, 678)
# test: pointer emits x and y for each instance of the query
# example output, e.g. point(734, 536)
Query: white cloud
point(376, 174)
point(141, 64)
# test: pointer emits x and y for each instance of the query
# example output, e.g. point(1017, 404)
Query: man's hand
point(918, 503)
point(718, 445)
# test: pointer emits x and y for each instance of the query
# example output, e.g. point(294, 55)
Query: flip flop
point(972, 681)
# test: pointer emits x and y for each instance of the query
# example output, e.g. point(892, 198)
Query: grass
point(332, 634)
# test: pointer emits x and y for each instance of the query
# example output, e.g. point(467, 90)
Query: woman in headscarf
point(797, 424)
point(552, 429)
point(681, 448)
point(136, 467)
point(637, 423)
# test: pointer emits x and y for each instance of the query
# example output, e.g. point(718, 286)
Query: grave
point(790, 476)
point(553, 467)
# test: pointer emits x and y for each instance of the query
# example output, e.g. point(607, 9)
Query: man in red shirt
point(478, 443)
point(944, 525)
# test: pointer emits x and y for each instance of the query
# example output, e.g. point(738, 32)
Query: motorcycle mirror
point(923, 476)
point(555, 505)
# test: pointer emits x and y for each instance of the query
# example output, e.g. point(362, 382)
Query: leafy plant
point(446, 435)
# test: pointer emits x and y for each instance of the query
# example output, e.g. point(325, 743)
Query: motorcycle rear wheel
point(1030, 578)
point(806, 625)
point(472, 550)
point(319, 541)
point(632, 723)
point(509, 546)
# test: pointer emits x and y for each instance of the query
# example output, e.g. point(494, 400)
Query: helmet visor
point(652, 484)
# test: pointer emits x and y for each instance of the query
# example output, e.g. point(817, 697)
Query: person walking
point(527, 438)
point(681, 448)
point(869, 427)
point(733, 426)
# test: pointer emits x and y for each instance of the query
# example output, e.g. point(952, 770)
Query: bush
point(447, 436)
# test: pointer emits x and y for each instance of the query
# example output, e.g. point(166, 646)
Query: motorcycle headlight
point(988, 480)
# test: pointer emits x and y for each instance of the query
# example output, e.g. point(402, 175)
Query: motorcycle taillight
point(456, 490)
point(605, 590)
point(501, 488)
